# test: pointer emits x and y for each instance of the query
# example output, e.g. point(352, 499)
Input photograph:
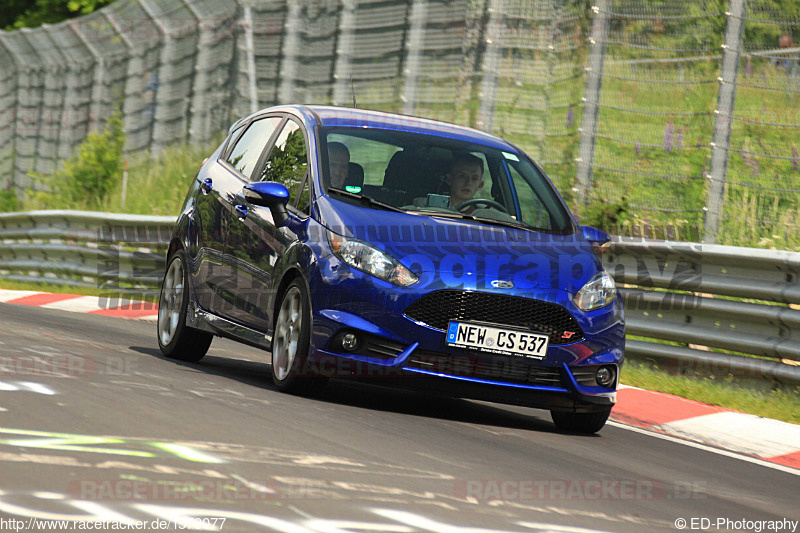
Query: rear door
point(208, 232)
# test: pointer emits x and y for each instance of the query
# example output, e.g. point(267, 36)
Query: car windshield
point(439, 176)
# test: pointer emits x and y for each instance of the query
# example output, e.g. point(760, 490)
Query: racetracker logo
point(578, 489)
point(171, 490)
point(72, 366)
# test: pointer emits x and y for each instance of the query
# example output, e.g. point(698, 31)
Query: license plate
point(497, 340)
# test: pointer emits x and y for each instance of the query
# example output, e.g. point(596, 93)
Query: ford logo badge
point(502, 284)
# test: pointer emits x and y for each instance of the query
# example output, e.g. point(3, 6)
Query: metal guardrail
point(701, 297)
point(114, 252)
point(697, 297)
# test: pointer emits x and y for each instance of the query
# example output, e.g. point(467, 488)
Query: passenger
point(339, 163)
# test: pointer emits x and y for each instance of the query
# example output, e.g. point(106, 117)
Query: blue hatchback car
point(360, 244)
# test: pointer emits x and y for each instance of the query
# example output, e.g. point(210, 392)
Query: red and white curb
point(93, 305)
point(761, 439)
point(753, 436)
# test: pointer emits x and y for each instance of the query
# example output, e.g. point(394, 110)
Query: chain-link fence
point(763, 178)
point(678, 116)
point(695, 119)
point(655, 117)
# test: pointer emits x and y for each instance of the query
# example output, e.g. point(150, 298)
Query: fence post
point(288, 66)
point(10, 112)
point(160, 136)
point(252, 90)
point(98, 83)
point(131, 114)
point(413, 45)
point(553, 11)
point(591, 108)
point(342, 89)
point(489, 66)
point(722, 122)
point(56, 114)
point(198, 123)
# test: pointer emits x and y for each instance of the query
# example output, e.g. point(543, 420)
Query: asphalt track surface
point(96, 425)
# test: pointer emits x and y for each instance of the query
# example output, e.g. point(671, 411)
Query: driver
point(465, 178)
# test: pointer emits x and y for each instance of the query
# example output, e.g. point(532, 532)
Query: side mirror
point(269, 194)
point(600, 240)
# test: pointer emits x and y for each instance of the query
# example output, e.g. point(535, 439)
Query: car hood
point(466, 254)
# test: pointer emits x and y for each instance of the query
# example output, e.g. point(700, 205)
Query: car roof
point(346, 117)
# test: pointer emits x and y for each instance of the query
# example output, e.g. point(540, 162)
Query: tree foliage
point(94, 168)
point(15, 14)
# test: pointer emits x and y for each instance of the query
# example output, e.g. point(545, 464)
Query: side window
point(234, 136)
point(303, 200)
point(248, 148)
point(533, 210)
point(371, 156)
point(288, 162)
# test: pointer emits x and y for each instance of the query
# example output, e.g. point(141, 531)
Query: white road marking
point(7, 295)
point(81, 304)
point(749, 434)
point(26, 386)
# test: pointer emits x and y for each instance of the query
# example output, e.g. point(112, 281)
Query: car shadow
point(375, 397)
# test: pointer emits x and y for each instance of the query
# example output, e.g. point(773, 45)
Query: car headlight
point(599, 292)
point(371, 260)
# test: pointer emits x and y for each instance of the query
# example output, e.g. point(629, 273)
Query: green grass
point(781, 404)
point(156, 186)
point(759, 209)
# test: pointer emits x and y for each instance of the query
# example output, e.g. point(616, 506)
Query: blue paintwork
point(595, 235)
point(269, 191)
point(490, 382)
point(323, 355)
point(242, 279)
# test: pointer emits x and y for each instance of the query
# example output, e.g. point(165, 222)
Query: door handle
point(241, 211)
point(207, 185)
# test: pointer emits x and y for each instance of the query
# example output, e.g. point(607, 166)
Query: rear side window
point(248, 148)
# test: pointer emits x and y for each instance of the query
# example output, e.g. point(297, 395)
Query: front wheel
point(291, 343)
point(175, 338)
point(581, 422)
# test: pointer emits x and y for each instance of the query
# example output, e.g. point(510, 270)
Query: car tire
point(581, 422)
point(175, 338)
point(291, 343)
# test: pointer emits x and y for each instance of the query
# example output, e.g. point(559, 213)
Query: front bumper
point(414, 355)
point(477, 376)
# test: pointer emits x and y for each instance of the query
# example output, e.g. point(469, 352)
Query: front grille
point(585, 375)
point(438, 308)
point(382, 348)
point(495, 368)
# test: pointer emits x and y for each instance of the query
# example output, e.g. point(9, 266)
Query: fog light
point(349, 341)
point(605, 376)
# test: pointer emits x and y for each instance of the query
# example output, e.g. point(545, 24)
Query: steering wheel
point(489, 203)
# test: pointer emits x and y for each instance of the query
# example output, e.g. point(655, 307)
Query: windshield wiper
point(492, 221)
point(365, 199)
point(465, 216)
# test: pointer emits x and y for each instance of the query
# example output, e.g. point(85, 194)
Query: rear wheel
point(581, 422)
point(175, 338)
point(291, 344)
